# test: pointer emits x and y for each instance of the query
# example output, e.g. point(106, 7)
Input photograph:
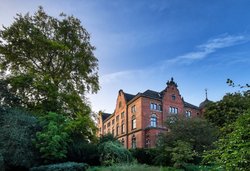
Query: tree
point(227, 110)
point(48, 63)
point(181, 154)
point(17, 128)
point(52, 141)
point(232, 152)
point(184, 134)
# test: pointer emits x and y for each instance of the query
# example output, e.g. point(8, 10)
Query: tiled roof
point(152, 94)
point(128, 97)
point(186, 104)
point(105, 116)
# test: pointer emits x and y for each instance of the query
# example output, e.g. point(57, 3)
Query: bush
point(1, 163)
point(112, 153)
point(144, 156)
point(68, 166)
point(17, 129)
point(52, 140)
point(83, 152)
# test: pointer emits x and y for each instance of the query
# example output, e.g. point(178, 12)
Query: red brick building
point(138, 119)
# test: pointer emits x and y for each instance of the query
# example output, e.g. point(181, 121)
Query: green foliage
point(2, 167)
point(187, 131)
point(83, 152)
point(227, 110)
point(82, 127)
point(17, 128)
point(107, 137)
point(49, 61)
point(145, 156)
point(112, 152)
point(181, 154)
point(68, 166)
point(232, 152)
point(53, 139)
point(7, 99)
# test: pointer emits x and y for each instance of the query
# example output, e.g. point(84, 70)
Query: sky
point(141, 44)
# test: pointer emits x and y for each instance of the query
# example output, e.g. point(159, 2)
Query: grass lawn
point(132, 167)
point(139, 167)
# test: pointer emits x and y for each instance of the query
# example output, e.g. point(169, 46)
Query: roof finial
point(206, 92)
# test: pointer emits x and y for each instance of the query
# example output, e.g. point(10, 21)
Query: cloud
point(209, 47)
point(115, 76)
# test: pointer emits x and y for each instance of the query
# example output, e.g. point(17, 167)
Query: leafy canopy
point(185, 141)
point(48, 63)
point(232, 152)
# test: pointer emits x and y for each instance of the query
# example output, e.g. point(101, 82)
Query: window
point(113, 131)
point(173, 110)
point(153, 120)
point(117, 118)
point(173, 97)
point(109, 124)
point(153, 106)
point(117, 130)
point(133, 122)
point(160, 107)
point(122, 141)
point(113, 121)
point(133, 109)
point(122, 115)
point(133, 141)
point(188, 114)
point(123, 127)
point(120, 104)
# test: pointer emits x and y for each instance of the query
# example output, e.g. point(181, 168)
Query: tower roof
point(171, 82)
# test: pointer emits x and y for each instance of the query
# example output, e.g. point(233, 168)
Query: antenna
point(206, 92)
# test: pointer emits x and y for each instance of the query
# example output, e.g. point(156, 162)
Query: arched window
point(117, 130)
point(123, 128)
point(153, 120)
point(133, 122)
point(133, 141)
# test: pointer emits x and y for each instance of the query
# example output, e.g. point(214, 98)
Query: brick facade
point(138, 119)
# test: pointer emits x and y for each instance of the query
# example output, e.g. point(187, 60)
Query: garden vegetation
point(47, 66)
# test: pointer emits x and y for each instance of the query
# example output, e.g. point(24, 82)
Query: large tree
point(48, 63)
point(195, 135)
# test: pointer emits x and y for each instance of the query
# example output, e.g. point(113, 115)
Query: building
point(138, 119)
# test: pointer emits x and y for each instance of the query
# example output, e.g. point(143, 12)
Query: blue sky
point(141, 44)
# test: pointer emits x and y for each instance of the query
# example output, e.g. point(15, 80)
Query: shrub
point(144, 156)
point(17, 129)
point(83, 152)
point(1, 163)
point(68, 166)
point(52, 140)
point(113, 153)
